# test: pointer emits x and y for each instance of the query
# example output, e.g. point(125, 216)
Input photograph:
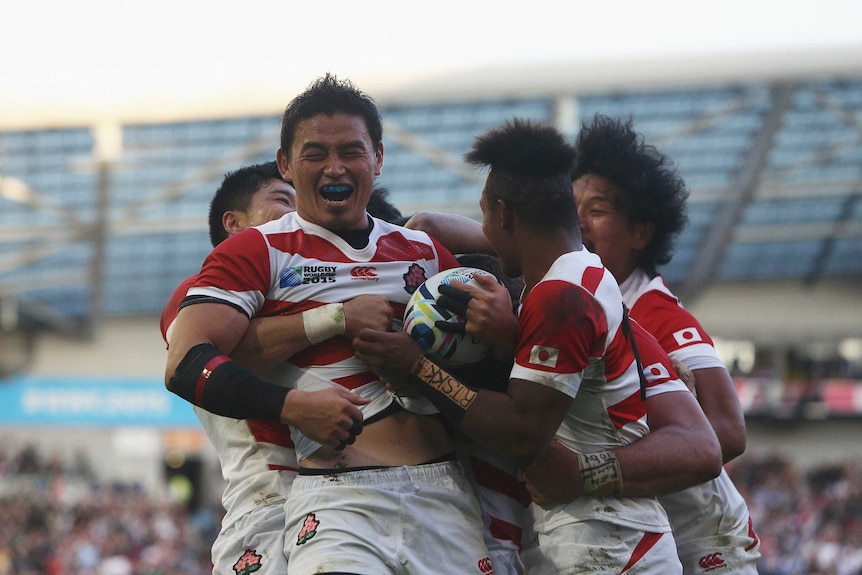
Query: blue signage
point(26, 401)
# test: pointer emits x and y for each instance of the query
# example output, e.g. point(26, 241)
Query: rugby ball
point(422, 313)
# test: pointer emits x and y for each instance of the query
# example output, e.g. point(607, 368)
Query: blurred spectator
point(809, 523)
point(60, 520)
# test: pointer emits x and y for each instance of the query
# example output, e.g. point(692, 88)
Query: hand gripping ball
point(422, 312)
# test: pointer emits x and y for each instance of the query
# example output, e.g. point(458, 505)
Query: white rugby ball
point(422, 312)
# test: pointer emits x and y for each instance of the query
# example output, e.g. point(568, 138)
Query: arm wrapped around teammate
point(211, 380)
point(448, 395)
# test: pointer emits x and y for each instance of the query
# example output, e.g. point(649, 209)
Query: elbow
point(711, 461)
point(732, 441)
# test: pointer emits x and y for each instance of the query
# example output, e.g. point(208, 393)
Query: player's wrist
point(324, 322)
point(600, 473)
point(451, 397)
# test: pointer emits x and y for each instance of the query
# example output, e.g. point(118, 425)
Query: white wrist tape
point(323, 322)
point(600, 473)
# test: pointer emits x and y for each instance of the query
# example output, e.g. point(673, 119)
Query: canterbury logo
point(711, 561)
point(364, 273)
point(485, 567)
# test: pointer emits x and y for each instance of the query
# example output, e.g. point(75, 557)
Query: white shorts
point(600, 548)
point(733, 553)
point(255, 542)
point(412, 520)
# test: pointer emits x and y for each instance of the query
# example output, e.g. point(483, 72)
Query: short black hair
point(381, 207)
point(329, 96)
point(530, 166)
point(235, 193)
point(648, 187)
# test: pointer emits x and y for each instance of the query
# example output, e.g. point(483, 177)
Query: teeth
point(336, 189)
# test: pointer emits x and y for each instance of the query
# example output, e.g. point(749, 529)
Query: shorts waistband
point(338, 471)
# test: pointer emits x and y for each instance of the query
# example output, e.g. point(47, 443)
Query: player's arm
point(680, 451)
point(269, 341)
point(199, 371)
point(519, 423)
point(717, 396)
point(460, 234)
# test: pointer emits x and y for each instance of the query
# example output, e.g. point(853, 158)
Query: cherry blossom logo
point(248, 563)
point(309, 529)
point(414, 278)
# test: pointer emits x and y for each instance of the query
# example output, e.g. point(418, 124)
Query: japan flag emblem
point(687, 336)
point(543, 355)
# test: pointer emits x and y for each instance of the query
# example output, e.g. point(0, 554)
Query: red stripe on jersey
point(560, 315)
point(307, 246)
point(753, 535)
point(172, 308)
point(273, 467)
point(445, 259)
point(271, 432)
point(629, 410)
point(661, 315)
point(646, 543)
point(327, 352)
point(495, 479)
point(356, 380)
point(505, 531)
point(619, 356)
point(592, 278)
point(391, 247)
point(240, 264)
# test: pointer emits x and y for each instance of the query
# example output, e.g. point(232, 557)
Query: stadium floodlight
point(16, 191)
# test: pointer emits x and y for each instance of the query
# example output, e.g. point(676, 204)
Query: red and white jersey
point(290, 265)
point(716, 507)
point(571, 338)
point(258, 458)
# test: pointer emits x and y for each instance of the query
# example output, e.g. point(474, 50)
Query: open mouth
point(336, 193)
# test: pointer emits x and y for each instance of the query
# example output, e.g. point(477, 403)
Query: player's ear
point(643, 234)
point(506, 215)
point(231, 223)
point(283, 165)
point(378, 160)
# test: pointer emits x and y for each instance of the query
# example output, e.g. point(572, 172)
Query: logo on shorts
point(485, 567)
point(309, 529)
point(414, 278)
point(711, 562)
point(248, 563)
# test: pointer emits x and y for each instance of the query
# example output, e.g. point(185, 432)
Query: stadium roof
point(106, 220)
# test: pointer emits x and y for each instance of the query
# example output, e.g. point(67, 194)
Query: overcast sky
point(76, 60)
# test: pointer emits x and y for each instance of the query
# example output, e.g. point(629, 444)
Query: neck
point(539, 255)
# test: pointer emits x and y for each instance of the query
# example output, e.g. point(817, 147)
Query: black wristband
point(451, 397)
point(211, 380)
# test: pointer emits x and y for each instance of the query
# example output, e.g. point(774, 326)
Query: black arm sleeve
point(211, 380)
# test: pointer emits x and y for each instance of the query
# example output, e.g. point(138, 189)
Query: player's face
point(605, 228)
point(270, 202)
point(332, 164)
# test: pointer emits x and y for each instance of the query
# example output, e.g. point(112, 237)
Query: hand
point(487, 310)
point(555, 478)
point(328, 416)
point(685, 375)
point(391, 355)
point(371, 311)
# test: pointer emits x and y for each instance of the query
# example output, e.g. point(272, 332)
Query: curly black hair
point(530, 165)
point(649, 189)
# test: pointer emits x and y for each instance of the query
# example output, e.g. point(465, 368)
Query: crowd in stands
point(57, 518)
